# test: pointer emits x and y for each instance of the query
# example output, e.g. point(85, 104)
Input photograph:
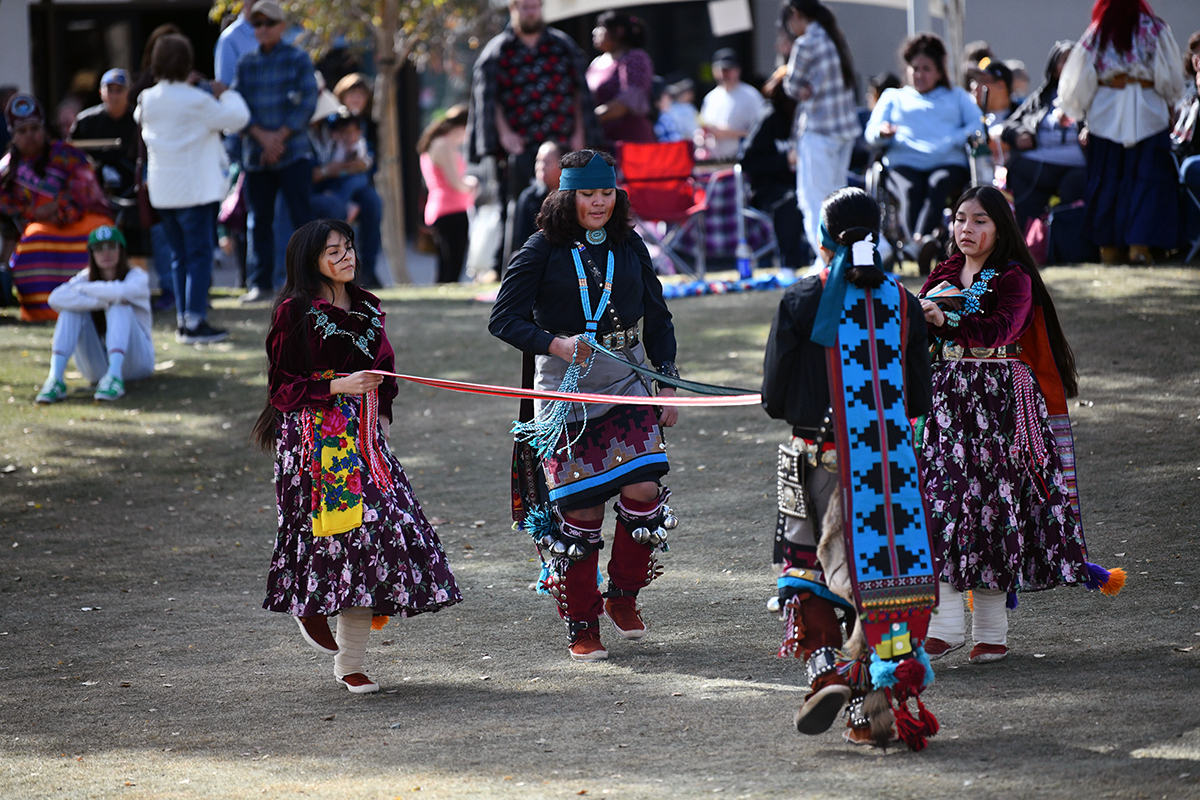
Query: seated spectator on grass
point(682, 108)
point(50, 192)
point(342, 188)
point(729, 109)
point(1045, 158)
point(991, 86)
point(925, 127)
point(768, 160)
point(1185, 138)
point(665, 127)
point(546, 173)
point(1020, 81)
point(357, 93)
point(112, 119)
point(103, 321)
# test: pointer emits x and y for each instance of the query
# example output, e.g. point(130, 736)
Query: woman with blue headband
point(847, 366)
point(585, 277)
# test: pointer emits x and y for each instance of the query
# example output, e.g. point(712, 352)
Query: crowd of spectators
point(180, 162)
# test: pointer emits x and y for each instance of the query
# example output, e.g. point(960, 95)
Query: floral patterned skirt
point(392, 563)
point(1001, 516)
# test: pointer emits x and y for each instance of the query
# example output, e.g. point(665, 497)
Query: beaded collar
point(971, 294)
point(363, 341)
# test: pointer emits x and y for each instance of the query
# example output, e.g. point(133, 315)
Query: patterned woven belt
point(952, 351)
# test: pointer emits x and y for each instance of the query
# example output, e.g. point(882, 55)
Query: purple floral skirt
point(1001, 517)
point(392, 563)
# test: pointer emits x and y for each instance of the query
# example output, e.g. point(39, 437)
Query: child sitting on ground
point(103, 320)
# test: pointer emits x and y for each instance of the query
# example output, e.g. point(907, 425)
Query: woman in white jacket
point(182, 126)
point(103, 320)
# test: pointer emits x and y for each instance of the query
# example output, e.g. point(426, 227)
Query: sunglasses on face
point(263, 23)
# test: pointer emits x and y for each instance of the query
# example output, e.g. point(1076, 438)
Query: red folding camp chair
point(658, 178)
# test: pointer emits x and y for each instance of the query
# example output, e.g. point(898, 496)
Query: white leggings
point(353, 627)
point(75, 334)
point(989, 620)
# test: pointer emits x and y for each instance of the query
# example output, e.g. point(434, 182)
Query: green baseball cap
point(105, 233)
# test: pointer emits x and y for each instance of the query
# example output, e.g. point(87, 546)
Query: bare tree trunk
point(391, 177)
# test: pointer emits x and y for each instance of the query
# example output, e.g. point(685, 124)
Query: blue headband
point(829, 312)
point(596, 175)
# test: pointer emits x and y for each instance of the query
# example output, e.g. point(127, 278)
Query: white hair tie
point(862, 252)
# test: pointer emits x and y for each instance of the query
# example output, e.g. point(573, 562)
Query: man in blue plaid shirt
point(278, 83)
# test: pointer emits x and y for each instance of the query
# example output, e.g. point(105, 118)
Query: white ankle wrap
point(948, 623)
point(989, 622)
point(353, 627)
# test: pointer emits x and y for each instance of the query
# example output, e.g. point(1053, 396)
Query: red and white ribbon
point(577, 397)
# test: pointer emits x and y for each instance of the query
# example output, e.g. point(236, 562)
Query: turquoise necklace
point(592, 318)
point(976, 290)
point(363, 341)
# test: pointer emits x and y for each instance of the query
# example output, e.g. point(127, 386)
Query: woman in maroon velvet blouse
point(352, 540)
point(997, 458)
point(621, 78)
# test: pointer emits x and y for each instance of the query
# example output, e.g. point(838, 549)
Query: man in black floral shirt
point(528, 88)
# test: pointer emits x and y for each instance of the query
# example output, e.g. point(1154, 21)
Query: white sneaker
point(110, 388)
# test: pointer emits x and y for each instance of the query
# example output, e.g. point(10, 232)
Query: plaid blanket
point(720, 221)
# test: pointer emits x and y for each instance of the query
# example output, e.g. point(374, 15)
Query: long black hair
point(851, 215)
point(303, 286)
point(558, 219)
point(1010, 248)
point(819, 13)
point(633, 32)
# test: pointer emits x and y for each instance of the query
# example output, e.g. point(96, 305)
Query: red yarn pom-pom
point(910, 675)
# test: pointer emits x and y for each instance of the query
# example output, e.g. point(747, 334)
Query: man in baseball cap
point(729, 110)
point(268, 10)
point(993, 75)
point(112, 119)
point(278, 83)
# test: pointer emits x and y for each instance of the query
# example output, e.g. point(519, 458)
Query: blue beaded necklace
point(592, 318)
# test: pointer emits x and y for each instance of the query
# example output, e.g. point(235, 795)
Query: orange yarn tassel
point(377, 623)
point(1115, 582)
point(970, 601)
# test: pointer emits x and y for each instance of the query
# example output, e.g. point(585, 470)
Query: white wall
point(14, 44)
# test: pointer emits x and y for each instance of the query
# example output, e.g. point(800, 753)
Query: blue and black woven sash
point(887, 540)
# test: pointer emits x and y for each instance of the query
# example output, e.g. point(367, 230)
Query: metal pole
point(919, 18)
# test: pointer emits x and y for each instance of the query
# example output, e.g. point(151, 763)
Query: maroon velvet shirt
point(289, 374)
point(1005, 309)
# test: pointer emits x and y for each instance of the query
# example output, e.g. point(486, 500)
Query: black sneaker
point(201, 334)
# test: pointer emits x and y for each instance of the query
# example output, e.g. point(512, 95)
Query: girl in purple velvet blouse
point(997, 457)
point(353, 540)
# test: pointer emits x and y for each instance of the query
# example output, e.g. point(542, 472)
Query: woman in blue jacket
point(925, 127)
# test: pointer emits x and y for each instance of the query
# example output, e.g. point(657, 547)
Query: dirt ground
point(136, 661)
